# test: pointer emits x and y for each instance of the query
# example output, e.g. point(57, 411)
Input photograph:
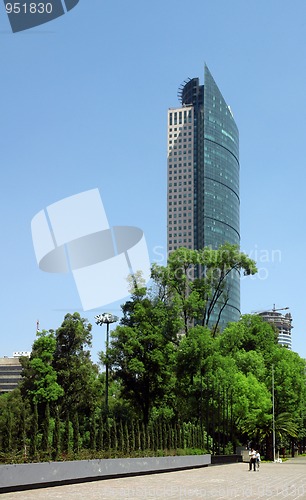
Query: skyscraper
point(203, 176)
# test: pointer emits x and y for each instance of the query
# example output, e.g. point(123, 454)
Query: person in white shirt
point(252, 454)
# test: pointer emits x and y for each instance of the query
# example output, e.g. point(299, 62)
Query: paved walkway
point(221, 482)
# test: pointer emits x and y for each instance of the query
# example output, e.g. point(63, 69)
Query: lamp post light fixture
point(106, 318)
point(273, 415)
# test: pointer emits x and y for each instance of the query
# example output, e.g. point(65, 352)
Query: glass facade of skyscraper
point(203, 176)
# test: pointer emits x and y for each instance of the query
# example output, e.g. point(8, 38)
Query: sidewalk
point(222, 482)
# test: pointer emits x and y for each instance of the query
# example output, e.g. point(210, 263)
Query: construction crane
point(280, 309)
point(268, 309)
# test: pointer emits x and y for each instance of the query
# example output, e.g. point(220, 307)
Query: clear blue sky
point(84, 101)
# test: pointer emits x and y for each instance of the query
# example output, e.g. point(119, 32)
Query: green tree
point(290, 381)
point(198, 281)
point(39, 378)
point(76, 373)
point(193, 367)
point(39, 383)
point(66, 433)
point(56, 442)
point(253, 345)
point(251, 333)
point(252, 405)
point(14, 421)
point(142, 353)
point(46, 429)
point(34, 433)
point(76, 432)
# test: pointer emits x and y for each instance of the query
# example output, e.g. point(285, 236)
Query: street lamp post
point(106, 318)
point(273, 415)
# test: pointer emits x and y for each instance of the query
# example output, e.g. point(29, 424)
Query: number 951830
point(26, 8)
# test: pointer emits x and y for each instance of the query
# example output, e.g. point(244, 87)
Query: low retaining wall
point(225, 459)
point(39, 475)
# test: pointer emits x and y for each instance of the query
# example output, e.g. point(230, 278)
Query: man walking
point(252, 454)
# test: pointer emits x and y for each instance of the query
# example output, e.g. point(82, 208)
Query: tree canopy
point(197, 281)
point(173, 381)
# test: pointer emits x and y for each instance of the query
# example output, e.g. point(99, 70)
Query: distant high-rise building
point(283, 324)
point(10, 371)
point(203, 176)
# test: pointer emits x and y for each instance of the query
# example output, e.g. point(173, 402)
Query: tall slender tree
point(142, 353)
point(77, 374)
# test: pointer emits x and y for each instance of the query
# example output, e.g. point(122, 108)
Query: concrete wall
point(27, 476)
point(225, 459)
point(245, 456)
